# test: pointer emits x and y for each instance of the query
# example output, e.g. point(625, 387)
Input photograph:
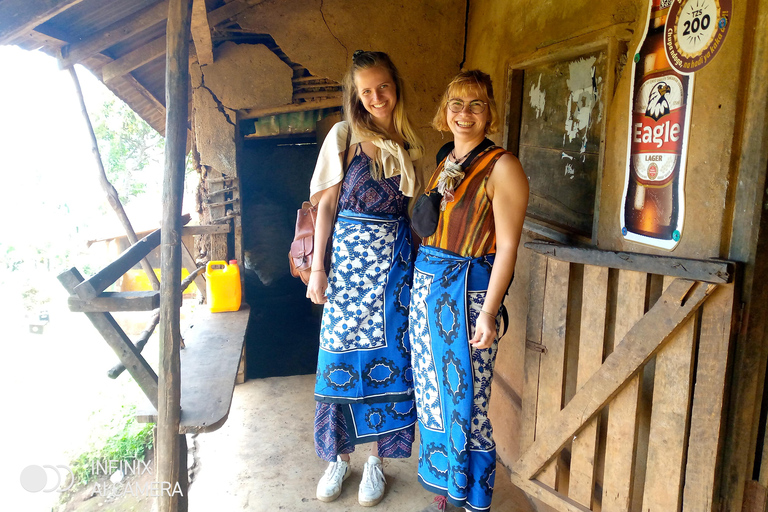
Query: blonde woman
point(364, 385)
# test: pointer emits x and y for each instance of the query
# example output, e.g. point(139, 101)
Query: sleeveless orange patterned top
point(466, 225)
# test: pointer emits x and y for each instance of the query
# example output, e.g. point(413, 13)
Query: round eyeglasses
point(475, 106)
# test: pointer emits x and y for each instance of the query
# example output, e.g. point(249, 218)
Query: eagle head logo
point(658, 106)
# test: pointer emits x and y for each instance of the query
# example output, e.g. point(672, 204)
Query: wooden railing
point(217, 340)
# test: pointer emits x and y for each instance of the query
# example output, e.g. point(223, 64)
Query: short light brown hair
point(463, 84)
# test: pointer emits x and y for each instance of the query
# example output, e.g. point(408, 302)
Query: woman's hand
point(318, 282)
point(326, 211)
point(485, 331)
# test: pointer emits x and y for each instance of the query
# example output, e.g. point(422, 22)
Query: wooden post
point(170, 461)
point(749, 238)
point(112, 197)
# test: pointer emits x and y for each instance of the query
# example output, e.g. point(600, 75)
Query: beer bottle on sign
point(653, 206)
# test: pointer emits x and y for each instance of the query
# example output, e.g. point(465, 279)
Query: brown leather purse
point(303, 246)
point(302, 250)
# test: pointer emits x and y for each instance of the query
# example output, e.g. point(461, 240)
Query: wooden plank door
point(653, 345)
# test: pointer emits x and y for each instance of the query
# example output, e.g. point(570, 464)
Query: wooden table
point(209, 363)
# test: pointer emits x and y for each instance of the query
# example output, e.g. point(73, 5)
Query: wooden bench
point(209, 363)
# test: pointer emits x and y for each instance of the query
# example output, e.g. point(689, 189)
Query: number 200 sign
point(694, 32)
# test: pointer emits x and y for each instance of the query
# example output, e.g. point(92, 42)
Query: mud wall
point(321, 36)
point(502, 32)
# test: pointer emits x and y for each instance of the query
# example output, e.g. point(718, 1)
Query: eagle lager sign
point(695, 31)
point(653, 204)
point(657, 119)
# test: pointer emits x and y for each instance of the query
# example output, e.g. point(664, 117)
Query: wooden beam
point(621, 443)
point(229, 10)
point(170, 461)
point(133, 60)
point(668, 437)
point(137, 366)
point(755, 497)
point(681, 300)
point(112, 196)
point(708, 425)
point(201, 33)
point(593, 320)
point(189, 263)
point(94, 285)
point(20, 16)
point(315, 80)
point(119, 368)
point(513, 110)
point(113, 34)
point(318, 94)
point(709, 271)
point(116, 301)
point(547, 495)
point(552, 367)
point(536, 290)
point(205, 230)
point(254, 113)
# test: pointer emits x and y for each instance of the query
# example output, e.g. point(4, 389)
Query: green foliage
point(128, 441)
point(33, 298)
point(128, 146)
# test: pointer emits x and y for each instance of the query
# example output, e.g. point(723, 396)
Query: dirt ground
point(263, 459)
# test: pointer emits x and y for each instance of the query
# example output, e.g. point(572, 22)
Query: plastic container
point(222, 281)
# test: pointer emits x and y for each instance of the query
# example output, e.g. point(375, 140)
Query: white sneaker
point(329, 486)
point(372, 485)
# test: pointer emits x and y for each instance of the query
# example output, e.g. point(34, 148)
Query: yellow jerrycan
point(222, 282)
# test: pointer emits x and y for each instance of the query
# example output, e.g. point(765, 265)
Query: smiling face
point(465, 125)
point(378, 94)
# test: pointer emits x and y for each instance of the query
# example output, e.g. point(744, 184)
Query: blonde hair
point(360, 119)
point(464, 84)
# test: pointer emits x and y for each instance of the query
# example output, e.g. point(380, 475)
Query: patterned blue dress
point(457, 453)
point(364, 383)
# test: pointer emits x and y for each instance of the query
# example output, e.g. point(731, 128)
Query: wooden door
point(625, 380)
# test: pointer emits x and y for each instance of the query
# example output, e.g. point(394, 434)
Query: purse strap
point(344, 169)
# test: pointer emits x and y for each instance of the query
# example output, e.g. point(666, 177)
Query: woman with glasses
point(462, 272)
point(364, 385)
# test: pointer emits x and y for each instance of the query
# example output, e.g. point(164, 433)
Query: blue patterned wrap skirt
point(364, 358)
point(457, 455)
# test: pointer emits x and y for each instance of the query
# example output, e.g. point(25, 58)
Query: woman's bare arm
point(508, 191)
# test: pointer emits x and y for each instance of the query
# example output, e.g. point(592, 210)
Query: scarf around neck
point(391, 156)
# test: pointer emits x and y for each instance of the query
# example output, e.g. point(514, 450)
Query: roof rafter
point(115, 33)
point(18, 17)
point(133, 60)
point(154, 49)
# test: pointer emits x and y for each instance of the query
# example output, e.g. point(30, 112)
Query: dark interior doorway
point(284, 325)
